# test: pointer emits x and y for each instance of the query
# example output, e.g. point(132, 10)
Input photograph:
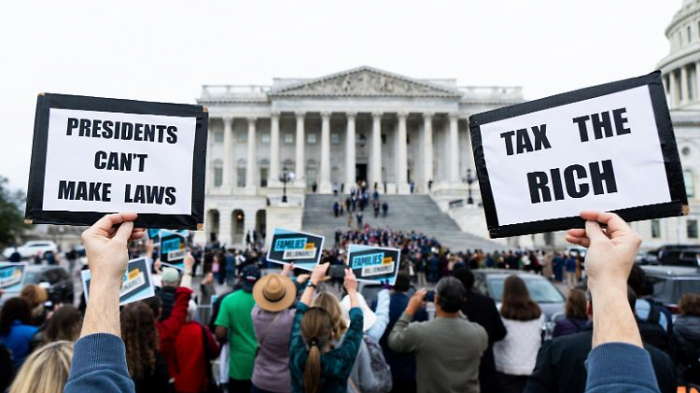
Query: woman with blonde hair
point(331, 304)
point(36, 296)
point(315, 365)
point(46, 370)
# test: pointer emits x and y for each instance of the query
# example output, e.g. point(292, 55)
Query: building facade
point(395, 133)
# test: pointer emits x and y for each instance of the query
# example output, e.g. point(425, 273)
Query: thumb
point(124, 231)
point(594, 233)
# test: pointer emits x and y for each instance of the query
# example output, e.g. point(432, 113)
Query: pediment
point(365, 82)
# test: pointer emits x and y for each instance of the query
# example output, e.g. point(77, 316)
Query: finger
point(124, 231)
point(349, 273)
point(421, 293)
point(103, 226)
point(582, 241)
point(577, 232)
point(594, 233)
point(324, 267)
point(136, 234)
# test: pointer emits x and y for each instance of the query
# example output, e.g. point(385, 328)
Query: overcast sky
point(164, 51)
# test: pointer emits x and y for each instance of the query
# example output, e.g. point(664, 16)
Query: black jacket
point(560, 365)
point(482, 310)
point(686, 347)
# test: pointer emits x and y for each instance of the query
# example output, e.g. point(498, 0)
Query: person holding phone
point(448, 348)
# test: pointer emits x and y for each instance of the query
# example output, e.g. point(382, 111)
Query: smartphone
point(429, 297)
point(336, 272)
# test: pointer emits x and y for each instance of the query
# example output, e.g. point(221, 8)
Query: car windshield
point(541, 291)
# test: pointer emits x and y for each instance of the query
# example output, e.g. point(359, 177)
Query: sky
point(166, 50)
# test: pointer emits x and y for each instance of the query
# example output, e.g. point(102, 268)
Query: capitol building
point(277, 153)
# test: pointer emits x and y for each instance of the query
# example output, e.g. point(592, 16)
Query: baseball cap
point(249, 276)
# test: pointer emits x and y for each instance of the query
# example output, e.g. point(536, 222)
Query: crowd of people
point(296, 331)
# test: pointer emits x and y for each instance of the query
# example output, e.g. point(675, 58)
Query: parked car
point(669, 283)
point(32, 248)
point(647, 258)
point(679, 255)
point(490, 282)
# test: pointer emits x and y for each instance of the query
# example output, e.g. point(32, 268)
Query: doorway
point(361, 172)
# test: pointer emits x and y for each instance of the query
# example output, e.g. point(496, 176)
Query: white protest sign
point(608, 148)
point(93, 156)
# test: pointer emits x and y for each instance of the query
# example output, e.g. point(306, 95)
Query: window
point(311, 139)
point(218, 176)
point(288, 139)
point(690, 34)
point(408, 138)
point(264, 173)
point(692, 229)
point(689, 180)
point(310, 177)
point(335, 139)
point(242, 137)
point(241, 176)
point(265, 138)
point(656, 229)
point(218, 137)
point(383, 139)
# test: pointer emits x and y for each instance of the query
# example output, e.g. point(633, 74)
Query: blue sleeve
point(99, 365)
point(620, 367)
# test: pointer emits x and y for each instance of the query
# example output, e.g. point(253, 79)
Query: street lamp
point(470, 181)
point(286, 177)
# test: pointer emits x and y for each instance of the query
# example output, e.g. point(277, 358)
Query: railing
point(491, 91)
point(235, 91)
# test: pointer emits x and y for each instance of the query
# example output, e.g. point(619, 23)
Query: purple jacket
point(568, 326)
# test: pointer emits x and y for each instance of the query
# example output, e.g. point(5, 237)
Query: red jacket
point(168, 329)
point(189, 363)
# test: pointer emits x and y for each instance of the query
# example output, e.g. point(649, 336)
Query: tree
point(11, 218)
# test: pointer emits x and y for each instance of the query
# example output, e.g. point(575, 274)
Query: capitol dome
point(681, 67)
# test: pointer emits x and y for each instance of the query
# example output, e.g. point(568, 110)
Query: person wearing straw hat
point(272, 316)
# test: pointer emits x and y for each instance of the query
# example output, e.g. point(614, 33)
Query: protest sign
point(12, 276)
point(609, 148)
point(374, 264)
point(173, 249)
point(302, 249)
point(154, 234)
point(137, 284)
point(93, 156)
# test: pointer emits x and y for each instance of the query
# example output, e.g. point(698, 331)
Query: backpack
point(380, 368)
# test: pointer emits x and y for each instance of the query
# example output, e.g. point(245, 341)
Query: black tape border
point(674, 170)
point(34, 212)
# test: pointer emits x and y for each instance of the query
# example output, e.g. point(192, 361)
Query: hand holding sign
point(105, 246)
point(611, 252)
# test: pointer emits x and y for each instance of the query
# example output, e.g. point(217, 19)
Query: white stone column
point(228, 155)
point(401, 156)
point(428, 174)
point(251, 166)
point(376, 160)
point(453, 162)
point(273, 178)
point(673, 89)
point(350, 176)
point(300, 171)
point(210, 162)
point(684, 85)
point(325, 186)
point(225, 228)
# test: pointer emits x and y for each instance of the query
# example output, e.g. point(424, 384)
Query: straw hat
point(274, 292)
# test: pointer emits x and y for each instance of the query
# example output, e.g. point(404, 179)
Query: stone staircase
point(406, 212)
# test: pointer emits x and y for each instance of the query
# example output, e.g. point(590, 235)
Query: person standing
point(576, 317)
point(272, 316)
point(360, 215)
point(482, 310)
point(448, 349)
point(516, 354)
point(385, 208)
point(15, 330)
point(336, 208)
point(46, 370)
point(147, 365)
point(558, 266)
point(685, 342)
point(235, 325)
point(570, 266)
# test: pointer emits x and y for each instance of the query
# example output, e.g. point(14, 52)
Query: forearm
point(399, 339)
point(102, 313)
point(307, 295)
point(613, 320)
point(354, 302)
point(186, 280)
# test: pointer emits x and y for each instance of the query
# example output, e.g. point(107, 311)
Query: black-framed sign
point(93, 156)
point(608, 148)
point(374, 264)
point(300, 248)
point(137, 283)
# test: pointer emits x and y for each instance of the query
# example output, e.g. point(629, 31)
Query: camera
point(429, 297)
point(336, 272)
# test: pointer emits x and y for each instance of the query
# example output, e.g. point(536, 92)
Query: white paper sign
point(85, 170)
